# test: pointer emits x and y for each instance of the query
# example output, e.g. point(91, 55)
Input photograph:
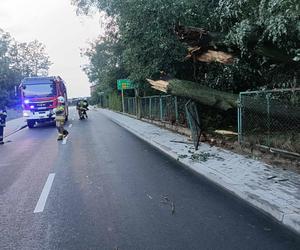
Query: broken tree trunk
point(209, 56)
point(202, 45)
point(224, 100)
point(202, 94)
point(215, 56)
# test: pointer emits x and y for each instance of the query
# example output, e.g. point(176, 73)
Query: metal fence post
point(150, 104)
point(268, 117)
point(137, 104)
point(239, 118)
point(176, 109)
point(132, 105)
point(129, 106)
point(123, 103)
point(160, 108)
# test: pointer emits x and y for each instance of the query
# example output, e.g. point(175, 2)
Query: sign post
point(123, 103)
point(122, 85)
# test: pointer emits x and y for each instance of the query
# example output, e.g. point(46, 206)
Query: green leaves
point(264, 36)
point(18, 60)
point(29, 59)
point(297, 55)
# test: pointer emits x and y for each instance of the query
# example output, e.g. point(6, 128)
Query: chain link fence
point(270, 118)
point(169, 109)
point(165, 108)
point(130, 105)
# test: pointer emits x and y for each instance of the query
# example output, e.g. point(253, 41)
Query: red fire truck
point(39, 98)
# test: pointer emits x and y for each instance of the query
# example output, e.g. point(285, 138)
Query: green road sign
point(125, 84)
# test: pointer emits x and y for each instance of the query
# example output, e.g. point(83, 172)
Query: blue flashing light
point(26, 101)
point(31, 106)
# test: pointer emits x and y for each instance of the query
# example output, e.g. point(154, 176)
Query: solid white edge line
point(44, 195)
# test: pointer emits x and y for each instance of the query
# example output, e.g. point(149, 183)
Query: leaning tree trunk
point(225, 100)
point(202, 94)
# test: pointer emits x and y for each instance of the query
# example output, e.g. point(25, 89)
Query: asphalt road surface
point(103, 188)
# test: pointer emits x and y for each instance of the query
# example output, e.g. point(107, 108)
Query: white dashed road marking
point(70, 126)
point(44, 195)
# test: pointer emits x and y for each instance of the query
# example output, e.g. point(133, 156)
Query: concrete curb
point(290, 220)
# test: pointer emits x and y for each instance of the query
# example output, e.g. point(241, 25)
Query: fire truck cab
point(39, 98)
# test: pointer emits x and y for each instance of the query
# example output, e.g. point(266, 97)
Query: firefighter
point(3, 115)
point(60, 117)
point(82, 107)
point(85, 104)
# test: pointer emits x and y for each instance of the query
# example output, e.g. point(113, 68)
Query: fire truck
point(39, 98)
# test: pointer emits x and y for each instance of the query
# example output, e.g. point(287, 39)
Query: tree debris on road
point(167, 201)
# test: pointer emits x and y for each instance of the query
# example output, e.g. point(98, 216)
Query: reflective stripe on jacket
point(60, 113)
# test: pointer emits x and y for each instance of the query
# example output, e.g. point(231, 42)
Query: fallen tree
point(225, 100)
point(202, 94)
point(202, 45)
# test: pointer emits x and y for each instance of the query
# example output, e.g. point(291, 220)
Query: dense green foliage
point(264, 36)
point(19, 60)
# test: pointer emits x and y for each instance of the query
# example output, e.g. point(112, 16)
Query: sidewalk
point(14, 125)
point(13, 114)
point(273, 190)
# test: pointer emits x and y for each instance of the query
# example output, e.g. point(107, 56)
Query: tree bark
point(202, 94)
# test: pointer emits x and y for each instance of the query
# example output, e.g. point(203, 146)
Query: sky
point(55, 24)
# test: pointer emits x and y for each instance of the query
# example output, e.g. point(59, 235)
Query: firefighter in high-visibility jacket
point(60, 118)
point(3, 115)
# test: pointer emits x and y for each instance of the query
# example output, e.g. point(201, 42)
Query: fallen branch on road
point(167, 201)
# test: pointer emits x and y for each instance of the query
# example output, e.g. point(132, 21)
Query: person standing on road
point(85, 106)
point(60, 118)
point(85, 103)
point(3, 115)
point(82, 107)
point(79, 105)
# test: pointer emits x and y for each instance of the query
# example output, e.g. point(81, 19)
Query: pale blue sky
point(54, 23)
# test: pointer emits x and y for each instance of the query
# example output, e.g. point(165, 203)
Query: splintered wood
point(215, 56)
point(202, 46)
point(159, 85)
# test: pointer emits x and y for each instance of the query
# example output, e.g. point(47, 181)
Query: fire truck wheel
point(30, 124)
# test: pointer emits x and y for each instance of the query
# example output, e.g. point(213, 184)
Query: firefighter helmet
point(61, 99)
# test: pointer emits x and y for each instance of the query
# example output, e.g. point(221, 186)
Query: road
point(111, 190)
